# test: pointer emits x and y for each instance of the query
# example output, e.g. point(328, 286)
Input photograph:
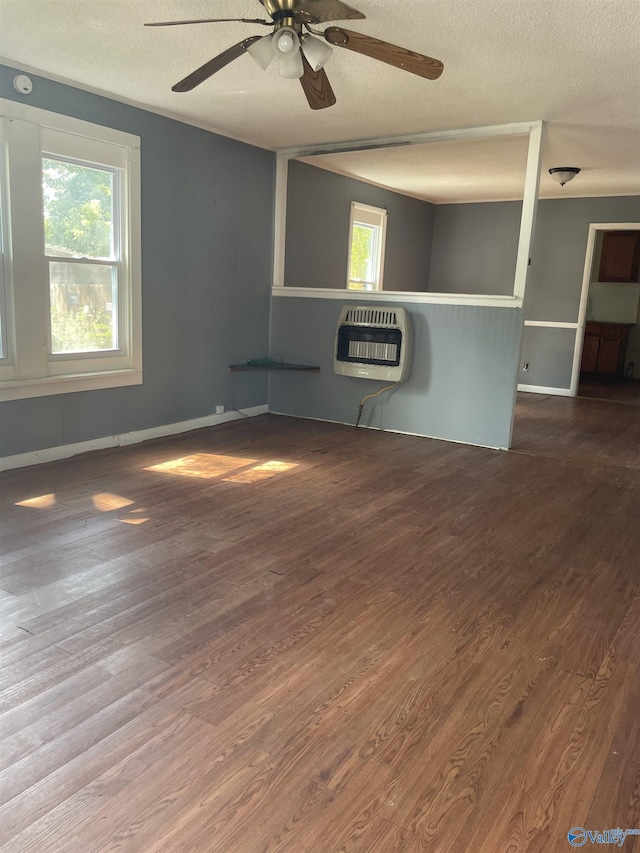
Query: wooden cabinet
point(620, 257)
point(609, 357)
point(590, 352)
point(604, 348)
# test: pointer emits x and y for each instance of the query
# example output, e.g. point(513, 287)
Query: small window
point(367, 235)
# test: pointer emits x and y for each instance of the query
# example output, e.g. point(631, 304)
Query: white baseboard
point(540, 389)
point(52, 454)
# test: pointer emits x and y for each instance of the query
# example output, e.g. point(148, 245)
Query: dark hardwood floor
point(586, 431)
point(620, 390)
point(282, 635)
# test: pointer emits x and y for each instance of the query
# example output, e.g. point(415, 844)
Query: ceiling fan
point(300, 54)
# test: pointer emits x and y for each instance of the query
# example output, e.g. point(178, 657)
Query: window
point(82, 254)
point(366, 247)
point(71, 317)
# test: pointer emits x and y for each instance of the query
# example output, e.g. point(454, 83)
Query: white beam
point(529, 209)
point(280, 219)
point(515, 129)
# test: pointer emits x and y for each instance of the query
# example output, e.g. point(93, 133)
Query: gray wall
point(474, 251)
point(207, 222)
point(549, 355)
point(475, 247)
point(317, 247)
point(461, 386)
point(555, 282)
point(559, 249)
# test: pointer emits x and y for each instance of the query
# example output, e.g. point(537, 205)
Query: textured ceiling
point(470, 170)
point(572, 63)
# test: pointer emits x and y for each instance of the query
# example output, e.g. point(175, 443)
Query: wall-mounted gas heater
point(374, 343)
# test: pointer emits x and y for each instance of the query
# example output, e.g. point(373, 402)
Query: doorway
point(607, 352)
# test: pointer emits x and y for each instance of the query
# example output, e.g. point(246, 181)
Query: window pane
point(78, 210)
point(84, 302)
point(362, 252)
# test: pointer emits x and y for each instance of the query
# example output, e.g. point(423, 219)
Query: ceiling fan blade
point(402, 58)
point(320, 11)
point(317, 87)
point(210, 21)
point(209, 68)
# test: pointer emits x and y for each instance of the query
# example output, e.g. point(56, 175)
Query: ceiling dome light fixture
point(563, 174)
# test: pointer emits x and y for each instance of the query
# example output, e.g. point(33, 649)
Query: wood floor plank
point(33, 767)
point(28, 821)
point(617, 798)
point(50, 699)
point(510, 813)
point(49, 726)
point(141, 785)
point(573, 786)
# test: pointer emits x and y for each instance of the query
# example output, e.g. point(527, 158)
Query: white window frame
point(30, 370)
point(374, 217)
point(6, 309)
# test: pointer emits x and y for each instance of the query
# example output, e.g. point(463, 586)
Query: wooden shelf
point(284, 365)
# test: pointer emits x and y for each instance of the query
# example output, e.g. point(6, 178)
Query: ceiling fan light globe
point(291, 67)
point(316, 52)
point(285, 42)
point(262, 52)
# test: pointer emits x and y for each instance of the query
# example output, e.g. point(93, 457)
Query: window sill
point(21, 389)
point(426, 297)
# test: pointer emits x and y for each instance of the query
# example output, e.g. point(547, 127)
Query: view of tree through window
point(361, 273)
point(78, 204)
point(367, 229)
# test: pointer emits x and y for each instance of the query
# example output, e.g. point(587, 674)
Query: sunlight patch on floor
point(261, 472)
point(202, 465)
point(135, 516)
point(41, 502)
point(106, 502)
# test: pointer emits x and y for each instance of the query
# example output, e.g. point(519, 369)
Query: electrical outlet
point(219, 410)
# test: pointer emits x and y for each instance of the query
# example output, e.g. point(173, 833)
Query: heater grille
point(370, 317)
point(368, 350)
point(373, 343)
point(369, 345)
